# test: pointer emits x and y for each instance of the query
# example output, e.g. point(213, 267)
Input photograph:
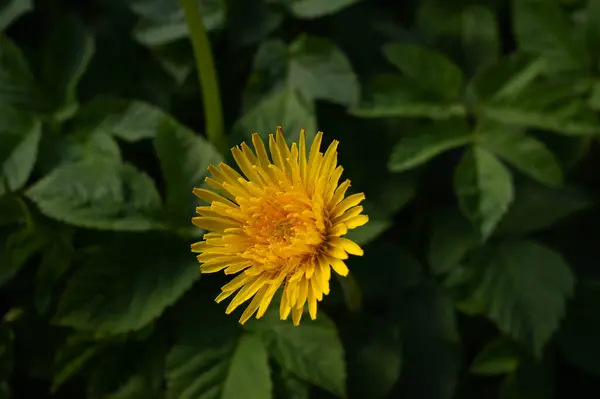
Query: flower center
point(282, 229)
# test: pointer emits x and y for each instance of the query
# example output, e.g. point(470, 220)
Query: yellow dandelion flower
point(280, 225)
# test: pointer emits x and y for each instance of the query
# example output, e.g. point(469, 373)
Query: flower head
point(280, 225)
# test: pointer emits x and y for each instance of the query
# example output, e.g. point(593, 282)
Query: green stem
point(207, 75)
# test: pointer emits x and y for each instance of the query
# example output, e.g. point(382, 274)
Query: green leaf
point(384, 199)
point(67, 51)
point(128, 284)
point(507, 77)
point(537, 207)
point(594, 100)
point(252, 22)
point(550, 106)
point(312, 351)
point(288, 108)
point(161, 21)
point(98, 194)
point(177, 59)
point(377, 363)
point(513, 270)
point(18, 249)
point(136, 388)
point(429, 69)
point(390, 95)
point(309, 9)
point(578, 337)
point(461, 282)
point(11, 10)
point(129, 369)
point(127, 120)
point(270, 71)
point(533, 379)
point(452, 237)
point(290, 387)
point(56, 260)
point(19, 138)
point(592, 25)
point(484, 189)
point(541, 27)
point(524, 152)
point(13, 314)
point(71, 358)
point(416, 148)
point(322, 71)
point(480, 36)
point(437, 21)
point(499, 356)
point(17, 84)
point(67, 149)
point(230, 371)
point(429, 332)
point(250, 354)
point(184, 158)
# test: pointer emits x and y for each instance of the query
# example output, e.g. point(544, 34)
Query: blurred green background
point(470, 125)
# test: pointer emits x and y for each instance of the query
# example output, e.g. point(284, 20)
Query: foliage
point(472, 127)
